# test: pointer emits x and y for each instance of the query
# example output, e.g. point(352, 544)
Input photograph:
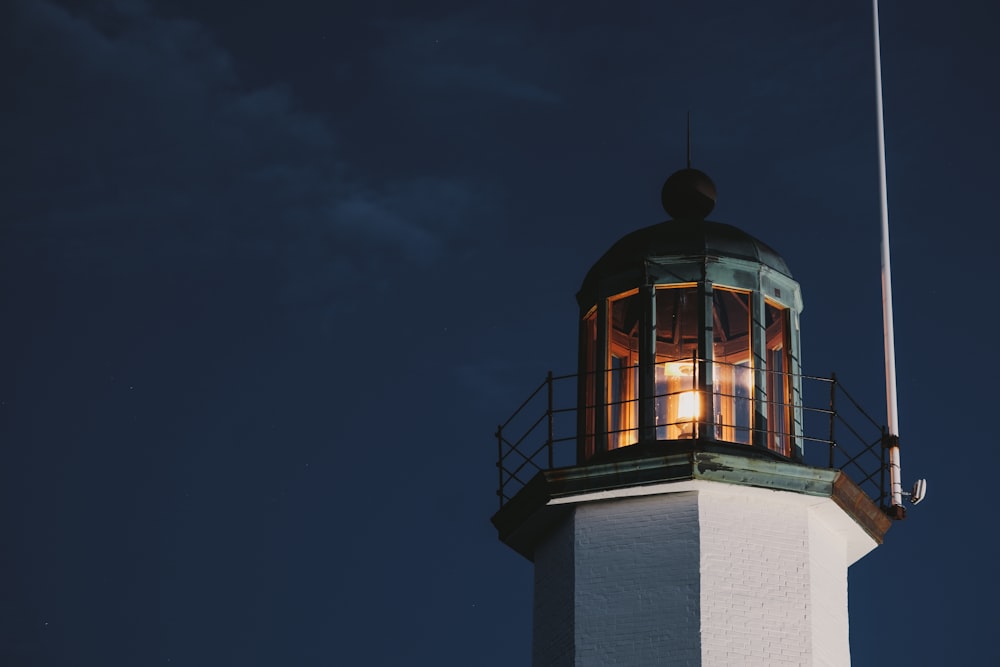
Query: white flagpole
point(890, 347)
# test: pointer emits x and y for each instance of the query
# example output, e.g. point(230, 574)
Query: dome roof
point(682, 238)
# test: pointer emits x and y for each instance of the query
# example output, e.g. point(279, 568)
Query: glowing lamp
point(687, 406)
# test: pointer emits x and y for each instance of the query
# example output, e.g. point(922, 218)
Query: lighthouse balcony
point(549, 445)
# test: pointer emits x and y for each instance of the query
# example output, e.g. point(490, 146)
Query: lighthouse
point(685, 523)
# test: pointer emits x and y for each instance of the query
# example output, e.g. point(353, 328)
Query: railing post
point(500, 463)
point(548, 380)
point(833, 414)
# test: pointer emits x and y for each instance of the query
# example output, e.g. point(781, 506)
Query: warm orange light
point(679, 369)
point(687, 406)
point(678, 401)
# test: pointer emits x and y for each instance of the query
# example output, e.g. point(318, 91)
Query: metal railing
point(832, 427)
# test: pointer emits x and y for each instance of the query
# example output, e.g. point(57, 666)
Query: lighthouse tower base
point(694, 571)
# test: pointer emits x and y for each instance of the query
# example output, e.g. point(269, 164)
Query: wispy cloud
point(132, 135)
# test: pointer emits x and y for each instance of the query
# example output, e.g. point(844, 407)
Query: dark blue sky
point(271, 274)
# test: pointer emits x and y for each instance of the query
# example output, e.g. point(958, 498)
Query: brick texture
point(718, 575)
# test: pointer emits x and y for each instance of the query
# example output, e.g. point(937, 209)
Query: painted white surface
point(552, 620)
point(705, 574)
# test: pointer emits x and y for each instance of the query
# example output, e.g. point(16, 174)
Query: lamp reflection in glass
point(677, 403)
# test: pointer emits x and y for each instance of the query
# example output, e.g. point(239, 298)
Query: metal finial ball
point(688, 193)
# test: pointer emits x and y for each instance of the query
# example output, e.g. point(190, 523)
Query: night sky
point(273, 272)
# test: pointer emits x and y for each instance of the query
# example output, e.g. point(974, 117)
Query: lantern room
point(689, 336)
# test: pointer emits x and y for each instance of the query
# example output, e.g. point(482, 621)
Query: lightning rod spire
point(689, 140)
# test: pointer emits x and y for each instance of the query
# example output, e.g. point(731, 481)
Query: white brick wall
point(553, 631)
point(756, 585)
point(619, 581)
point(637, 581)
point(714, 574)
point(828, 575)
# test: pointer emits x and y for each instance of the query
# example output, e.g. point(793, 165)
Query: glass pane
point(675, 368)
point(778, 385)
point(623, 371)
point(732, 376)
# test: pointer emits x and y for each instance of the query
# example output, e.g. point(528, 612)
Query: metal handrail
point(862, 461)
